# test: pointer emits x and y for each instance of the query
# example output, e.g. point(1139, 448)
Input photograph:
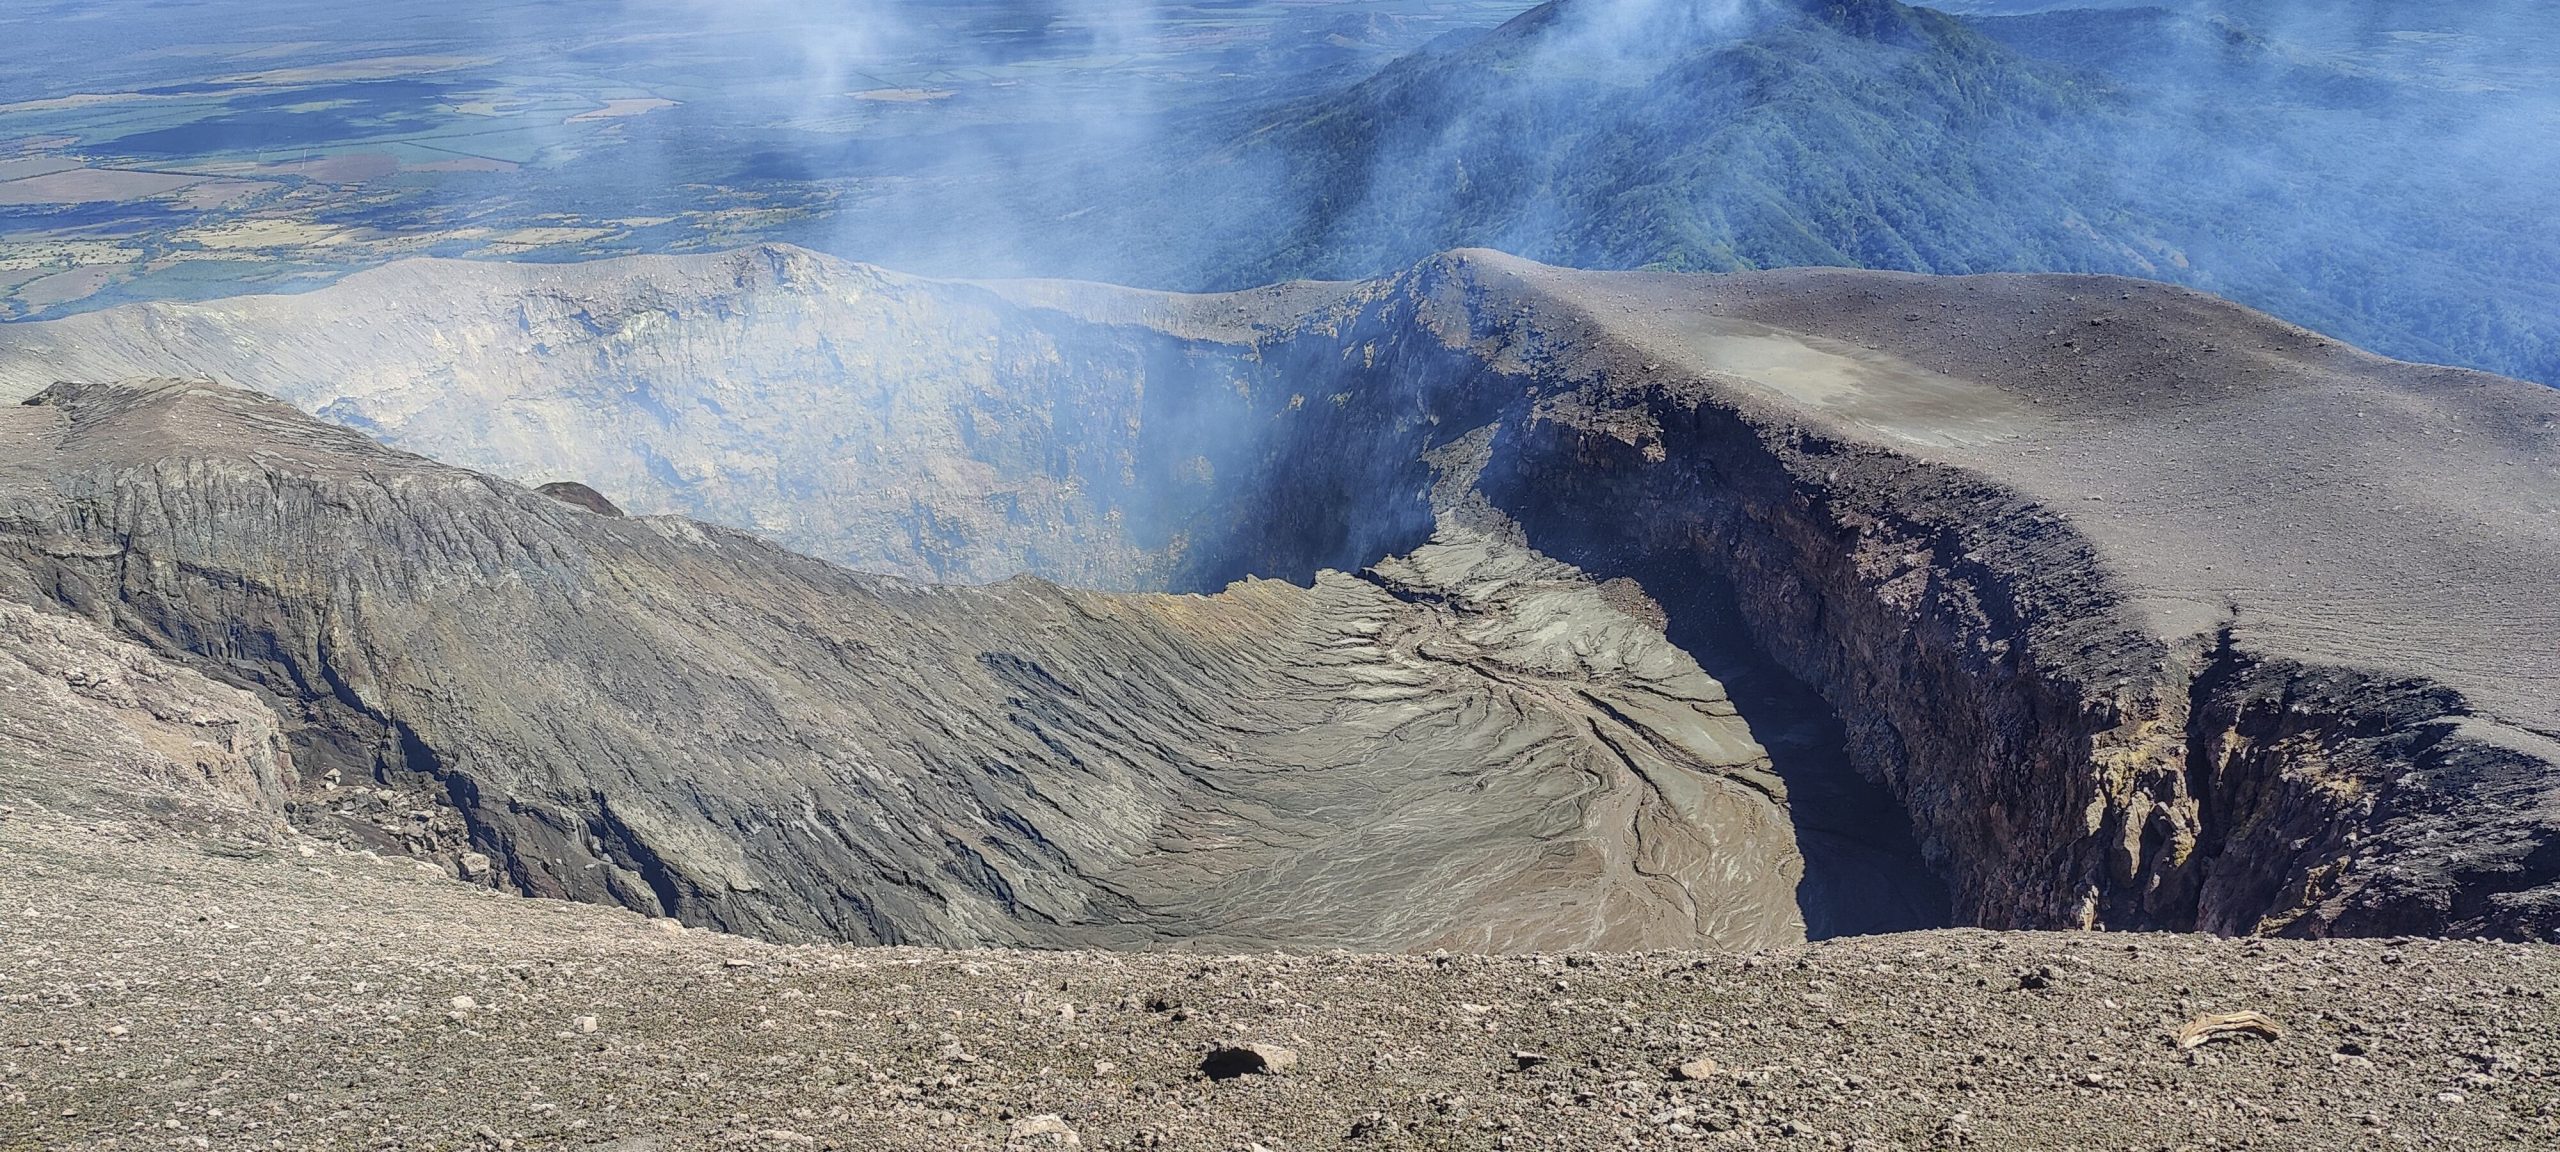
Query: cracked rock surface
point(1479, 751)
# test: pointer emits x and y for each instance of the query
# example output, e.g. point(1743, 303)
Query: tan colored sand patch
point(905, 95)
point(75, 100)
point(349, 168)
point(43, 252)
point(280, 51)
point(525, 239)
point(463, 164)
point(214, 194)
point(256, 235)
point(621, 109)
point(1870, 389)
point(92, 185)
point(25, 166)
point(64, 287)
point(378, 68)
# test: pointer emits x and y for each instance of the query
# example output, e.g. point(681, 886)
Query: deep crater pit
point(1311, 668)
point(963, 435)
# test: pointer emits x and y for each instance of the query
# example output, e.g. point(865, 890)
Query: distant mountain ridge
point(2335, 176)
point(2379, 171)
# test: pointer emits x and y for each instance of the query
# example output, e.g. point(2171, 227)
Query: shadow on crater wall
point(1864, 873)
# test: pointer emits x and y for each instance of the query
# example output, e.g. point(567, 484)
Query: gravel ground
point(164, 990)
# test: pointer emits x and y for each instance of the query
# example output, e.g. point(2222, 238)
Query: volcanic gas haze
point(1472, 748)
point(1967, 557)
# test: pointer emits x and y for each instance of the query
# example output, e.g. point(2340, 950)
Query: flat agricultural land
point(329, 138)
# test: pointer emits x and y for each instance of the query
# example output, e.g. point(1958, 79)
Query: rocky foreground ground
point(162, 990)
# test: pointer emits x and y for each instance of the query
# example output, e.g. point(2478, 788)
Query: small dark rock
point(1374, 1124)
point(1230, 1061)
point(572, 492)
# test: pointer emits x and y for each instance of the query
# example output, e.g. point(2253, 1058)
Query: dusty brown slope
point(2152, 611)
point(180, 969)
point(2230, 470)
point(161, 991)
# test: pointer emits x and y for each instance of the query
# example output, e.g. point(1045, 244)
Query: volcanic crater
point(1489, 605)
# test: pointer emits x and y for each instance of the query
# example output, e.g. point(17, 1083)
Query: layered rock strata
point(1479, 750)
point(2149, 611)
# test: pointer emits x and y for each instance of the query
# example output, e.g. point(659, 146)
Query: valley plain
point(182, 159)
